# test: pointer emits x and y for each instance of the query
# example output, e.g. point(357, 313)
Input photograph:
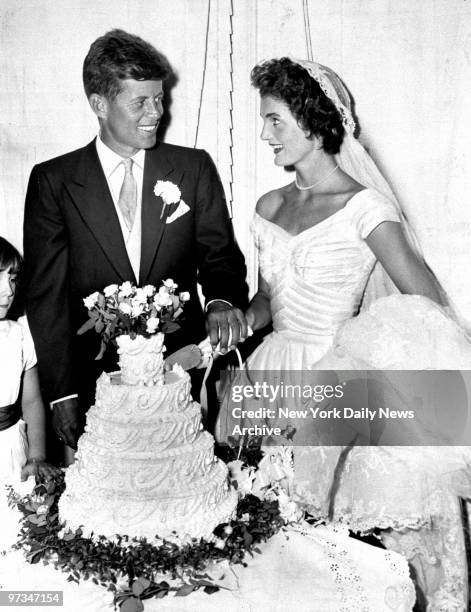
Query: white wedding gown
point(317, 280)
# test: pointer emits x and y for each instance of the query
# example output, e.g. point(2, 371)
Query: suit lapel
point(90, 193)
point(156, 167)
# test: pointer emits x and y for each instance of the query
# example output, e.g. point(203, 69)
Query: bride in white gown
point(330, 244)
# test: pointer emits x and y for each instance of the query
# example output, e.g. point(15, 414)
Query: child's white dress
point(17, 355)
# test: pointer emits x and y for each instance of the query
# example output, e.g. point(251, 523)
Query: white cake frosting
point(144, 466)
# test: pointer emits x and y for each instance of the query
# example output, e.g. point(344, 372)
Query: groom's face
point(129, 122)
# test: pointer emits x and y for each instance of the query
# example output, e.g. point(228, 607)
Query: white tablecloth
point(319, 571)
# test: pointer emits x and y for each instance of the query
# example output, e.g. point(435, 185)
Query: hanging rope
point(231, 107)
point(307, 30)
point(203, 79)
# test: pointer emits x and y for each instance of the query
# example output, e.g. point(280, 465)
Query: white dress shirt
point(113, 169)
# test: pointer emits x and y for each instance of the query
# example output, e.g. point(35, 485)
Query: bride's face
point(290, 143)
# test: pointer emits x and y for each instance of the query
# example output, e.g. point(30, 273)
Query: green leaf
point(144, 581)
point(102, 351)
point(248, 539)
point(90, 324)
point(35, 558)
point(202, 582)
point(170, 327)
point(185, 590)
point(211, 589)
point(132, 604)
point(137, 588)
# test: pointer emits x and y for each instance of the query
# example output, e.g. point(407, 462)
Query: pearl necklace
point(322, 180)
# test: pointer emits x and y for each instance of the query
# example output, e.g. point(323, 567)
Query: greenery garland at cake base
point(129, 567)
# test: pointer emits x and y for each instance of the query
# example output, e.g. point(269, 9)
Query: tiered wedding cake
point(144, 466)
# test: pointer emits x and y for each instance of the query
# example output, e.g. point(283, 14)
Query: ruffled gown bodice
point(316, 278)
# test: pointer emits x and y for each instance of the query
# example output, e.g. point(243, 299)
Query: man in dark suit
point(92, 219)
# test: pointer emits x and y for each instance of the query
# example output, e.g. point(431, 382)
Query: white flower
point(122, 582)
point(170, 284)
point(91, 300)
point(140, 297)
point(152, 324)
point(110, 290)
point(126, 289)
point(184, 296)
point(242, 475)
point(289, 510)
point(125, 308)
point(163, 290)
point(168, 191)
point(162, 299)
point(219, 543)
point(44, 509)
point(137, 308)
point(148, 290)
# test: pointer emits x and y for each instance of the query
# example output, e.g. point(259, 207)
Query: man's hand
point(67, 421)
point(225, 325)
point(39, 468)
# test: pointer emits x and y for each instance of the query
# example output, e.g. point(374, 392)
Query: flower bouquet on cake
point(135, 319)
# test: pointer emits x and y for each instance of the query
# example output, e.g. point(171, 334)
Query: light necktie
point(128, 195)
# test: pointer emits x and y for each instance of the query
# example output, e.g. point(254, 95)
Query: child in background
point(22, 413)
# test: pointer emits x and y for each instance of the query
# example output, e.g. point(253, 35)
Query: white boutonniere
point(169, 192)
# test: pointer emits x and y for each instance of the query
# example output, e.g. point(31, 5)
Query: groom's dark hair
point(119, 55)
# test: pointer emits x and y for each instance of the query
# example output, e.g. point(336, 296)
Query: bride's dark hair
point(289, 82)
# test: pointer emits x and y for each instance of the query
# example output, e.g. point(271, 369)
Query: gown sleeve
point(370, 210)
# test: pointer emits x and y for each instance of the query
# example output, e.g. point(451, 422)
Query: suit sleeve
point(46, 289)
point(221, 266)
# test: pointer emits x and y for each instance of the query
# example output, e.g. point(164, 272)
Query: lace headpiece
point(334, 89)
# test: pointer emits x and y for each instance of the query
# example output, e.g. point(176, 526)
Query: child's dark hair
point(10, 257)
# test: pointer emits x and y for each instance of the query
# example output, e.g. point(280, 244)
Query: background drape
point(406, 63)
